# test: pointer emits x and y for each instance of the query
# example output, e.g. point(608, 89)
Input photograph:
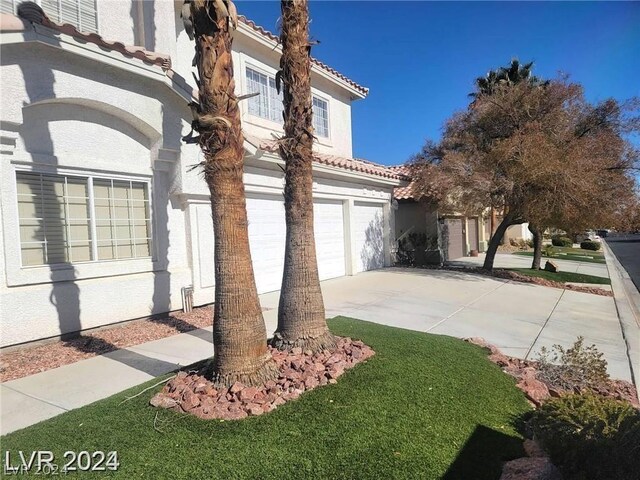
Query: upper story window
point(269, 105)
point(82, 14)
point(70, 219)
point(320, 117)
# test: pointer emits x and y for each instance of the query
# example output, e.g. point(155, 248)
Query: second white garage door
point(267, 236)
point(267, 233)
point(369, 236)
point(328, 227)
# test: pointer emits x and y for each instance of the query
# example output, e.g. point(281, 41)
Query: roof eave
point(355, 93)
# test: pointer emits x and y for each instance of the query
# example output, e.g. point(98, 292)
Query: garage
point(328, 225)
point(267, 235)
point(369, 236)
point(456, 238)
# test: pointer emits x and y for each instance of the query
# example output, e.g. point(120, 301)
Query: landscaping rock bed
point(299, 372)
point(31, 359)
point(537, 391)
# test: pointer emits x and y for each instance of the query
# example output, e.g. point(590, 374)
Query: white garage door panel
point(204, 225)
point(267, 232)
point(328, 228)
point(369, 235)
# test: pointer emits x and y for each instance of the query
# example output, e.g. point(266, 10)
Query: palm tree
point(301, 316)
point(239, 333)
point(509, 75)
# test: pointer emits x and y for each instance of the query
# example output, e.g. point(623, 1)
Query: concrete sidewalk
point(518, 318)
point(509, 260)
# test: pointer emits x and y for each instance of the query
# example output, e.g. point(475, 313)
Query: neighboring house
point(518, 232)
point(104, 218)
point(455, 234)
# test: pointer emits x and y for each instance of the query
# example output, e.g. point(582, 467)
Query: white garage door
point(267, 233)
point(369, 235)
point(329, 232)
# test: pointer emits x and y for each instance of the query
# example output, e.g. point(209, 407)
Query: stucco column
point(482, 233)
point(387, 237)
point(465, 224)
point(350, 257)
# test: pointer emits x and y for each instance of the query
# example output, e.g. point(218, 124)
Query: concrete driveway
point(518, 318)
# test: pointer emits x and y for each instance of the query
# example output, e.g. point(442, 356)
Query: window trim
point(250, 66)
point(17, 275)
point(246, 62)
point(92, 221)
point(325, 100)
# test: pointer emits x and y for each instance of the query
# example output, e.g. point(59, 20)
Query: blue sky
point(419, 59)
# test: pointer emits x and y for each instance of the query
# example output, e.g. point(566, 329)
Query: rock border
point(192, 393)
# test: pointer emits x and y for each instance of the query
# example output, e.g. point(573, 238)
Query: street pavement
point(518, 318)
point(627, 249)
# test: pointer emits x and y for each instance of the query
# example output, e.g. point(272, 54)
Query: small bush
point(590, 245)
point(530, 243)
point(547, 251)
point(575, 368)
point(562, 242)
point(590, 437)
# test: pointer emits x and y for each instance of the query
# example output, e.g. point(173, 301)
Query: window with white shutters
point(71, 219)
point(80, 13)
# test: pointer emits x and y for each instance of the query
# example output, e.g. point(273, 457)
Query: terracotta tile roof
point(324, 66)
point(407, 192)
point(10, 22)
point(353, 164)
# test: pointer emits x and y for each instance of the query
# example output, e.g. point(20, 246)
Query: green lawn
point(570, 253)
point(563, 276)
point(425, 407)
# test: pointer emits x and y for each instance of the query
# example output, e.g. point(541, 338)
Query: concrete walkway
point(518, 318)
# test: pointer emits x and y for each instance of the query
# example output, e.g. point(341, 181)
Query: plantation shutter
point(82, 14)
point(54, 219)
point(123, 223)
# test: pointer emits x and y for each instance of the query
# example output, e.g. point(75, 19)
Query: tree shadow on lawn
point(478, 459)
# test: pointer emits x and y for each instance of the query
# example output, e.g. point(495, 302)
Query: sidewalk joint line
point(466, 305)
point(544, 324)
point(35, 398)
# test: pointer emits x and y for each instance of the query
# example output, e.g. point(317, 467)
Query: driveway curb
point(627, 300)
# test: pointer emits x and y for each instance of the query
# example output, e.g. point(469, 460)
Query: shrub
point(590, 437)
point(590, 245)
point(547, 251)
point(575, 368)
point(562, 242)
point(530, 243)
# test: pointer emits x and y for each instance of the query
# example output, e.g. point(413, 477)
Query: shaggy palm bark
point(301, 316)
point(496, 239)
point(239, 333)
point(537, 246)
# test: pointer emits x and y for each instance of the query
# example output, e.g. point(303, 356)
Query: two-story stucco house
point(103, 218)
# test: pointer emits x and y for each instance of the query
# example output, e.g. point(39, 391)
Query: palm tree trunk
point(537, 246)
point(239, 333)
point(496, 240)
point(301, 316)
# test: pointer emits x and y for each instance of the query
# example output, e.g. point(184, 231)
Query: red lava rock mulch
point(536, 390)
point(23, 361)
point(299, 372)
